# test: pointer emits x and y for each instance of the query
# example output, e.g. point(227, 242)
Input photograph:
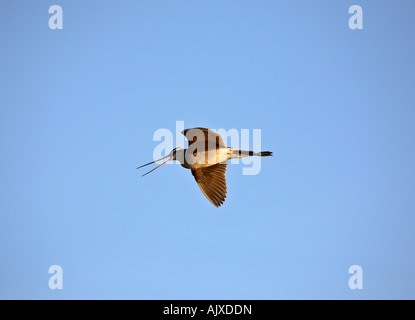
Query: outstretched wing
point(206, 139)
point(212, 182)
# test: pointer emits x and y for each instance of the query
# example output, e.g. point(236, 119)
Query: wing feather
point(205, 138)
point(212, 182)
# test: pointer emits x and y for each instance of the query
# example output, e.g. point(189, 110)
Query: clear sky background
point(79, 106)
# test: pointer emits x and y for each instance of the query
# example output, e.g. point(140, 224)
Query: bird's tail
point(237, 153)
point(264, 154)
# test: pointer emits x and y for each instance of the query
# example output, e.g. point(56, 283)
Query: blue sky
point(79, 106)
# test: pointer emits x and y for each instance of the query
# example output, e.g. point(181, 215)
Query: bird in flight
point(206, 157)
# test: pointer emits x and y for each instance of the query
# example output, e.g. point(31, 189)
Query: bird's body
point(207, 157)
point(190, 159)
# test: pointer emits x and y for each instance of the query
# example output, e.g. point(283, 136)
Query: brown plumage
point(207, 157)
point(212, 181)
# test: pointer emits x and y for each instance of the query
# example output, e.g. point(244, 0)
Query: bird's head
point(175, 152)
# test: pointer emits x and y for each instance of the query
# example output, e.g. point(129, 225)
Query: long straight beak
point(154, 162)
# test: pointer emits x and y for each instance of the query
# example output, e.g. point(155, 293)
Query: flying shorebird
point(207, 157)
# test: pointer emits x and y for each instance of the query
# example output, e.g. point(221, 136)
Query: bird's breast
point(194, 159)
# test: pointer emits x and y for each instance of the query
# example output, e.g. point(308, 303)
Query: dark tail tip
point(265, 153)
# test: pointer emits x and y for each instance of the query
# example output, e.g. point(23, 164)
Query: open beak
point(155, 162)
